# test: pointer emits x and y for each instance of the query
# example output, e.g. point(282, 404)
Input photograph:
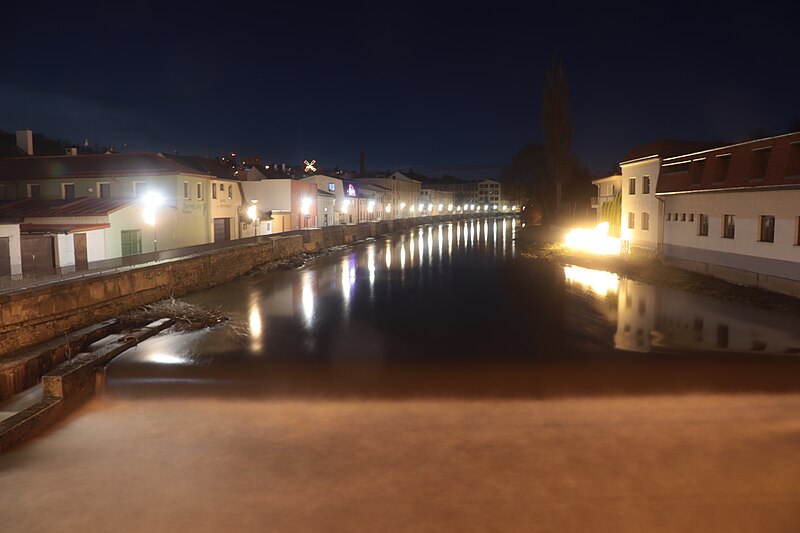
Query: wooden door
point(222, 229)
point(81, 255)
point(37, 254)
point(5, 256)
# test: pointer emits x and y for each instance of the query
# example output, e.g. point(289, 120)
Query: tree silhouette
point(557, 126)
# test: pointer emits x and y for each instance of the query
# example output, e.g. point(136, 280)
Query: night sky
point(446, 87)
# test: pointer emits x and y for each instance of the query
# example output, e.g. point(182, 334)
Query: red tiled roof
point(90, 166)
point(743, 169)
point(78, 207)
point(59, 228)
point(668, 148)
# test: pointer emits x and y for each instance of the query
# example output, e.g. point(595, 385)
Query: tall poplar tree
point(557, 126)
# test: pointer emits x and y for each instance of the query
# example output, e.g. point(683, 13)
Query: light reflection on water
point(649, 317)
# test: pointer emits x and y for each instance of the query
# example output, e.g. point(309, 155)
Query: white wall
point(747, 207)
point(272, 195)
point(639, 203)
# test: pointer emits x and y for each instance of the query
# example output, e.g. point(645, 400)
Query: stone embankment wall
point(35, 315)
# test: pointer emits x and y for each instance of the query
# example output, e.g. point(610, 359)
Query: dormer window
point(760, 160)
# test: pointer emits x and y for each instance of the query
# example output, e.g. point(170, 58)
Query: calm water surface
point(434, 380)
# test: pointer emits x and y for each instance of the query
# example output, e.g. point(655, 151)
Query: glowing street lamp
point(450, 207)
point(152, 201)
point(252, 213)
point(388, 208)
point(370, 206)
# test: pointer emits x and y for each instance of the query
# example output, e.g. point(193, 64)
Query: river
point(434, 380)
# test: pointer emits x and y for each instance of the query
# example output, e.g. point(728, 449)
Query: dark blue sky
point(434, 86)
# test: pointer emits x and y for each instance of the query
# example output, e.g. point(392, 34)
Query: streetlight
point(152, 200)
point(252, 212)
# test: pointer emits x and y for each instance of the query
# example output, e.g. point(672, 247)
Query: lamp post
point(152, 201)
point(252, 213)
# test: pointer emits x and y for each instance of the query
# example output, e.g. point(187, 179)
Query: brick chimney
point(25, 141)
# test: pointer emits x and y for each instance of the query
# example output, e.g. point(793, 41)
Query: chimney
point(72, 150)
point(25, 141)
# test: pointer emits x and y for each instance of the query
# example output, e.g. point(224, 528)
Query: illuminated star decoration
point(310, 166)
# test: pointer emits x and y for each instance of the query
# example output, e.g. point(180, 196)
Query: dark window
point(797, 231)
point(767, 229)
point(632, 186)
point(230, 192)
point(138, 188)
point(760, 160)
point(104, 190)
point(213, 191)
point(691, 217)
point(794, 160)
point(728, 227)
point(669, 217)
point(696, 170)
point(199, 191)
point(646, 185)
point(721, 167)
point(645, 221)
point(683, 217)
point(186, 194)
point(33, 191)
point(722, 336)
point(69, 191)
point(631, 221)
point(702, 227)
point(131, 242)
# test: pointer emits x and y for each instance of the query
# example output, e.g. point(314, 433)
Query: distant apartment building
point(402, 194)
point(482, 193)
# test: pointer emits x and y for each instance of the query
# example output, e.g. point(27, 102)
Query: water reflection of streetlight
point(152, 201)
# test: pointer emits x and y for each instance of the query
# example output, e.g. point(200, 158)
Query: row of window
point(645, 185)
point(766, 225)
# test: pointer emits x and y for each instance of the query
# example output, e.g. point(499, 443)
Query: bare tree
point(557, 126)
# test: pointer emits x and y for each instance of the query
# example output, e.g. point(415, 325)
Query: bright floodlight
point(596, 241)
point(371, 206)
point(388, 208)
point(345, 206)
point(305, 205)
point(152, 200)
point(252, 213)
point(403, 205)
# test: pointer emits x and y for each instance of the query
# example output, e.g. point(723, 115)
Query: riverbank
point(536, 242)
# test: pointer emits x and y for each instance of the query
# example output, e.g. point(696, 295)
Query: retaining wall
point(35, 315)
